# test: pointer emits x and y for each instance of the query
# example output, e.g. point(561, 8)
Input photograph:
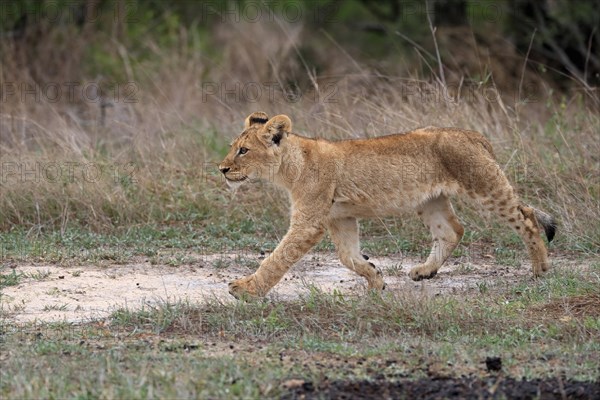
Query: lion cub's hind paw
point(420, 273)
point(375, 281)
point(539, 270)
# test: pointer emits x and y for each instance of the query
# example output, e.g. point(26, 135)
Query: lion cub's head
point(256, 153)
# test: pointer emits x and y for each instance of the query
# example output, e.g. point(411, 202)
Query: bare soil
point(83, 293)
point(90, 292)
point(493, 387)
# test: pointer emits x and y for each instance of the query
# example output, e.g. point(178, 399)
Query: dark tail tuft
point(550, 231)
point(547, 222)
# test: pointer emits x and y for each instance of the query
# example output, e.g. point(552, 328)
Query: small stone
point(493, 363)
point(295, 383)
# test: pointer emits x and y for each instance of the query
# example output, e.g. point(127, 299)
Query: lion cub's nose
point(224, 169)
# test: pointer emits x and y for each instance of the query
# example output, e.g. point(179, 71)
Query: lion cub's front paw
point(422, 272)
point(244, 287)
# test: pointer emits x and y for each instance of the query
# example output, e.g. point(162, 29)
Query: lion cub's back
point(424, 145)
point(407, 167)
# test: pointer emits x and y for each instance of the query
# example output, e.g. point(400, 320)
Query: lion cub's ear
point(257, 117)
point(277, 127)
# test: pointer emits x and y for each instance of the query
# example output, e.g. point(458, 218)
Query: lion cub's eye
point(243, 150)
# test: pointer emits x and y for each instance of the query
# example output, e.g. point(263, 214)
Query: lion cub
point(332, 184)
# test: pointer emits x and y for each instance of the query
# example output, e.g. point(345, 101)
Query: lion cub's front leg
point(300, 238)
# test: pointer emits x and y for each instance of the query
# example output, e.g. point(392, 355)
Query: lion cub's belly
point(342, 210)
point(346, 208)
point(388, 202)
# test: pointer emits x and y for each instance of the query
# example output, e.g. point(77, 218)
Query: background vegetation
point(114, 114)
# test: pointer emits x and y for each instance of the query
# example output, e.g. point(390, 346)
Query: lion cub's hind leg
point(506, 207)
point(446, 230)
point(344, 234)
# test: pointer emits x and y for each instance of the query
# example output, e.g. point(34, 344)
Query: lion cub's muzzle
point(232, 178)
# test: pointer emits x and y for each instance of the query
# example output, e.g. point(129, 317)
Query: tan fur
point(331, 184)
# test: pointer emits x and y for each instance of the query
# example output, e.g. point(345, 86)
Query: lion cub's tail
point(547, 222)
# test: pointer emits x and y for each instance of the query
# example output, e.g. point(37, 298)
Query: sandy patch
point(92, 292)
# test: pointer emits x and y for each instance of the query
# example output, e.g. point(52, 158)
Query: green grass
point(10, 279)
point(56, 307)
point(248, 349)
point(172, 245)
point(161, 198)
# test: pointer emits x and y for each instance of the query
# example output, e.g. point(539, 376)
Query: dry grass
point(227, 349)
point(566, 298)
point(570, 307)
point(152, 160)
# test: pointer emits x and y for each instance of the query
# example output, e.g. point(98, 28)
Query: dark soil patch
point(495, 387)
